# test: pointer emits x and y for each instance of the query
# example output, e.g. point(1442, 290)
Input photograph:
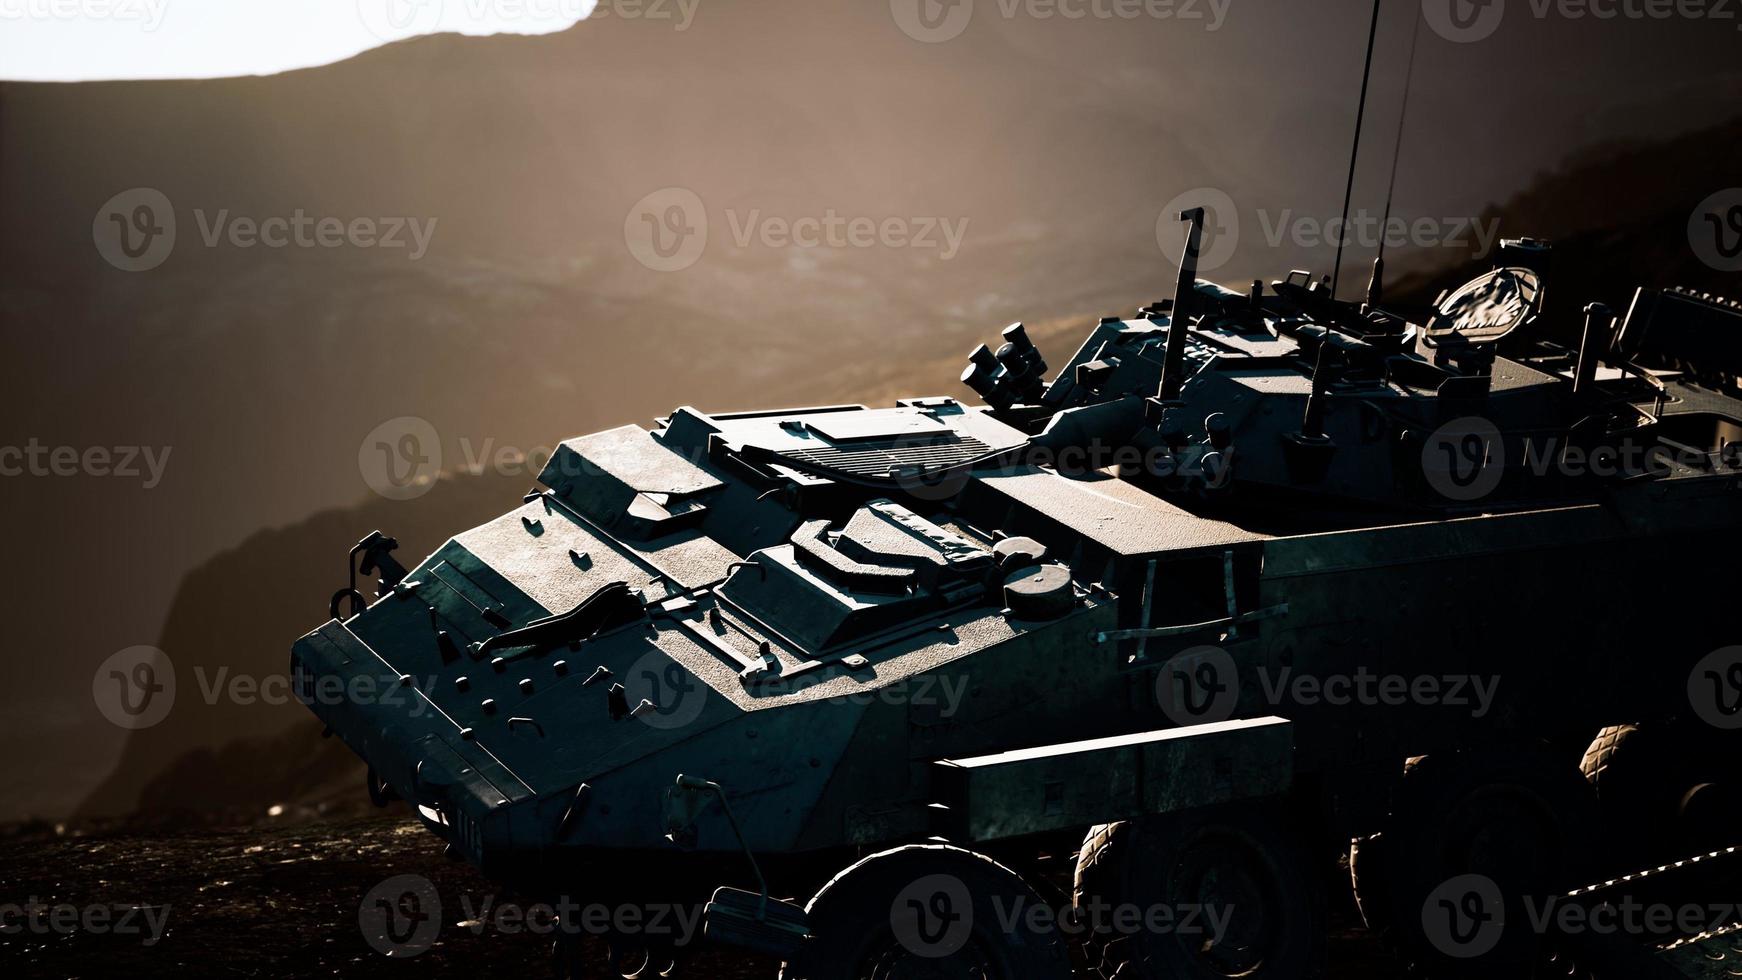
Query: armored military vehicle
point(1254, 574)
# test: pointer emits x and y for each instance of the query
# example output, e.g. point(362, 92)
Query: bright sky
point(75, 40)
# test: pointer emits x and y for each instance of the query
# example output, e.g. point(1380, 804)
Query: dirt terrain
point(286, 901)
point(263, 902)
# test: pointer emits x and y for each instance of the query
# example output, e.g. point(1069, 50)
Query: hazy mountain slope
point(1619, 218)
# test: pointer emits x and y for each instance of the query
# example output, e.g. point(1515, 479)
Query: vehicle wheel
point(568, 960)
point(1370, 875)
point(1218, 892)
point(1666, 792)
point(930, 912)
point(1469, 841)
point(635, 960)
point(1370, 860)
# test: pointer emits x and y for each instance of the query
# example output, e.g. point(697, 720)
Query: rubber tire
point(1370, 871)
point(1427, 841)
point(1643, 777)
point(1118, 865)
point(851, 916)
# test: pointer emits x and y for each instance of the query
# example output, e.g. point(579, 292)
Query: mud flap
point(749, 920)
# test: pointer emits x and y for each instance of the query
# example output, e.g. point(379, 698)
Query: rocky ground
point(258, 902)
point(292, 901)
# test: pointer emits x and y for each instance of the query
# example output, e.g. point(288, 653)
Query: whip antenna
point(1397, 147)
point(1354, 153)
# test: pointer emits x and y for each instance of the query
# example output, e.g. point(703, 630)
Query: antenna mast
point(1377, 284)
point(1355, 152)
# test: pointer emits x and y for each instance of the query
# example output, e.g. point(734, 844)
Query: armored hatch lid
point(631, 455)
point(887, 565)
point(1112, 513)
point(871, 443)
point(876, 423)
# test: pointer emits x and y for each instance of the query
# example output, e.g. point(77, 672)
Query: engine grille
point(877, 459)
